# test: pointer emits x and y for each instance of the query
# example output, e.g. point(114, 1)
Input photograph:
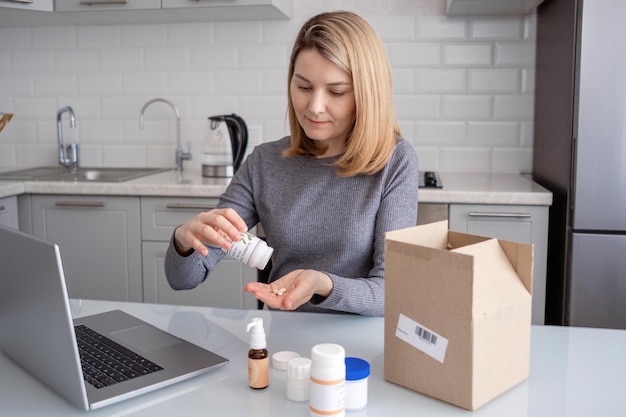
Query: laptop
point(37, 331)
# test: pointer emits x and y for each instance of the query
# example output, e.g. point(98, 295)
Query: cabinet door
point(525, 224)
point(223, 288)
point(100, 243)
point(37, 5)
point(8, 212)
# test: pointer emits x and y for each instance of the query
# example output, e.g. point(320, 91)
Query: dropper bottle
point(258, 357)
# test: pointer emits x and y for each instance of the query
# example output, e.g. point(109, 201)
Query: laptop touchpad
point(146, 338)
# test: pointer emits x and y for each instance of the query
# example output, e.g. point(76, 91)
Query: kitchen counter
point(459, 188)
point(574, 372)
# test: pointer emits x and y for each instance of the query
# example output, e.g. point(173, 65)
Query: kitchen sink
point(93, 174)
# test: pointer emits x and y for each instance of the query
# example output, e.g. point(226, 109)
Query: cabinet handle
point(192, 206)
point(487, 214)
point(96, 2)
point(2, 208)
point(80, 203)
point(21, 1)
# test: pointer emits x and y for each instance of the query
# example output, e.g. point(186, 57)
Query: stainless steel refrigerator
point(580, 155)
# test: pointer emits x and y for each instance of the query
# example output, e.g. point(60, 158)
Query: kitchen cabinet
point(8, 212)
point(519, 223)
point(35, 5)
point(223, 288)
point(68, 12)
point(490, 7)
point(100, 242)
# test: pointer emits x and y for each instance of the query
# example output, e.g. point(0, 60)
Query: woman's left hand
point(292, 290)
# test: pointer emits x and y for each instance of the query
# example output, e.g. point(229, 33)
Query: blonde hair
point(349, 42)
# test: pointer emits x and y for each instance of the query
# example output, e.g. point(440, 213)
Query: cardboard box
point(457, 313)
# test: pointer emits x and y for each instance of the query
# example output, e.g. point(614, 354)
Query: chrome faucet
point(180, 154)
point(68, 155)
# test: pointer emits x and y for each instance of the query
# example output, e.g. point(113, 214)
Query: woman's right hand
point(215, 227)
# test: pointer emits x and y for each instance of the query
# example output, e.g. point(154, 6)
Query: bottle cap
point(281, 359)
point(356, 369)
point(327, 355)
point(257, 336)
point(261, 255)
point(298, 374)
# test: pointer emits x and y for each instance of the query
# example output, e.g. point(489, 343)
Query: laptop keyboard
point(106, 362)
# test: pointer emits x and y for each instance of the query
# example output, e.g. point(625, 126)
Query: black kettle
point(224, 146)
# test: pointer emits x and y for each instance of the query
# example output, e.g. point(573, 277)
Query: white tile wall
point(464, 87)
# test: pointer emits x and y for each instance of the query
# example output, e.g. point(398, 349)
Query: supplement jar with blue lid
point(357, 374)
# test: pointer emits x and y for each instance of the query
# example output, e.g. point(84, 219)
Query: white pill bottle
point(251, 250)
point(328, 381)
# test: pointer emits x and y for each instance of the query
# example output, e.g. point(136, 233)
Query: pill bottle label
point(258, 373)
point(327, 398)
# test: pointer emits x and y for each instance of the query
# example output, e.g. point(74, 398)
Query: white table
point(574, 371)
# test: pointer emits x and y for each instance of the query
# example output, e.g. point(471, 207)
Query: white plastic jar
point(328, 381)
point(298, 379)
point(251, 251)
point(357, 375)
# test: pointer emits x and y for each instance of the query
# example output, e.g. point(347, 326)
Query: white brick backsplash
point(213, 57)
point(238, 82)
point(472, 107)
point(493, 133)
point(439, 133)
point(101, 36)
point(100, 84)
point(469, 54)
point(512, 160)
point(170, 58)
point(274, 82)
point(54, 37)
point(403, 80)
point(14, 84)
point(514, 107)
point(19, 37)
point(144, 83)
point(526, 134)
point(189, 34)
point(417, 107)
point(35, 108)
point(5, 62)
point(263, 57)
point(55, 84)
point(143, 35)
point(440, 80)
point(494, 80)
point(497, 28)
point(515, 54)
point(32, 60)
point(76, 60)
point(90, 130)
point(236, 33)
point(7, 155)
point(404, 55)
point(440, 27)
point(528, 80)
point(190, 83)
point(394, 29)
point(465, 160)
point(464, 86)
point(121, 59)
point(429, 158)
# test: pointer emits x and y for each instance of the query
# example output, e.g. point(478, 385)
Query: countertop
point(574, 372)
point(462, 188)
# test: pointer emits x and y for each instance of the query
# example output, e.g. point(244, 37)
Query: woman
point(325, 195)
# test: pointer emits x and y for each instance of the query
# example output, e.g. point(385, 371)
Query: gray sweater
point(315, 219)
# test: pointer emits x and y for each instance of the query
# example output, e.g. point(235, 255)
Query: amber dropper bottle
point(258, 357)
